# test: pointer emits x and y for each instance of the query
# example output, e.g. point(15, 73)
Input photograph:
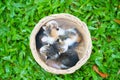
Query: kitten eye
point(48, 57)
point(57, 29)
point(57, 40)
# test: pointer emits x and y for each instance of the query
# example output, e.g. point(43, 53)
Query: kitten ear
point(44, 27)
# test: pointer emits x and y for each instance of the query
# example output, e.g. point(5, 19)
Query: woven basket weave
point(82, 28)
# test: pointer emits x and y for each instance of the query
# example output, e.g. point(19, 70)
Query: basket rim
point(35, 53)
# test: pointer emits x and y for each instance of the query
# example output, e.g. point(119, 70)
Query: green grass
point(18, 18)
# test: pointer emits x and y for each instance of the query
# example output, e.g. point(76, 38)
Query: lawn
point(18, 18)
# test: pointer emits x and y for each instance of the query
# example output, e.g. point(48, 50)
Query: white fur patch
point(70, 41)
point(55, 66)
point(71, 30)
point(48, 40)
point(64, 47)
point(43, 49)
point(63, 66)
point(61, 31)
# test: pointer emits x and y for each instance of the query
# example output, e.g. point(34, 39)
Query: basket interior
point(65, 24)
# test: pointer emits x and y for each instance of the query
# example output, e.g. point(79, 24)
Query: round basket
point(84, 50)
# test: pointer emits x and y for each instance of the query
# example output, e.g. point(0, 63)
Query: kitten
point(69, 58)
point(69, 40)
point(71, 36)
point(49, 51)
point(65, 60)
point(52, 51)
point(50, 25)
point(51, 31)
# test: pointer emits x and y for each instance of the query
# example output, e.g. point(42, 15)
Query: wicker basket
point(83, 52)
